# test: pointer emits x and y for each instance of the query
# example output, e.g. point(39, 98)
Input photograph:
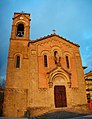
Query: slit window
point(67, 61)
point(55, 53)
point(45, 61)
point(18, 62)
point(20, 30)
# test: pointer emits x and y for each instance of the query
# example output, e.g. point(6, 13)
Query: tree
point(2, 86)
point(2, 82)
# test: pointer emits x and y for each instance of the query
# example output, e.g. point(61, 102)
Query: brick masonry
point(32, 84)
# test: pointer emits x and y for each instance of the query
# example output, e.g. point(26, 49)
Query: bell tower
point(17, 75)
point(21, 26)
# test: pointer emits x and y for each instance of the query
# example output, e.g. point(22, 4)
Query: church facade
point(46, 72)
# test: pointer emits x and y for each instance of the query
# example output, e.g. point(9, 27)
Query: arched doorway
point(60, 96)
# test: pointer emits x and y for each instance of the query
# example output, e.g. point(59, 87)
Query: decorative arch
point(68, 53)
point(18, 53)
point(58, 49)
point(45, 52)
point(59, 72)
point(21, 22)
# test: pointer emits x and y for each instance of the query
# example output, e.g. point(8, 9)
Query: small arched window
point(55, 57)
point(45, 61)
point(20, 30)
point(17, 61)
point(67, 62)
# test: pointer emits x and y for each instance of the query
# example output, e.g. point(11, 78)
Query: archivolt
point(59, 73)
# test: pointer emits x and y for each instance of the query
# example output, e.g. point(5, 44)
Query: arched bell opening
point(20, 30)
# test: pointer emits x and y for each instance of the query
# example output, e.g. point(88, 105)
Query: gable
point(53, 37)
point(48, 46)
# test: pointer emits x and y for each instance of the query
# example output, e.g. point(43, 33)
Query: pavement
point(11, 118)
point(64, 115)
point(58, 115)
point(83, 117)
point(79, 117)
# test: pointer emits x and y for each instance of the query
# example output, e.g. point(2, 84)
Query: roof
point(21, 14)
point(89, 73)
point(51, 35)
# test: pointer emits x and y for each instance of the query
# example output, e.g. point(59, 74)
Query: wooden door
point(60, 96)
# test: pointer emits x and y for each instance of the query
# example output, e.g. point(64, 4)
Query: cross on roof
point(22, 11)
point(54, 31)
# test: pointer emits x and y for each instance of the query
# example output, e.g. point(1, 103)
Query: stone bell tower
point(21, 26)
point(17, 83)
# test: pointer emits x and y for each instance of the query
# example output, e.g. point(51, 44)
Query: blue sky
point(72, 19)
